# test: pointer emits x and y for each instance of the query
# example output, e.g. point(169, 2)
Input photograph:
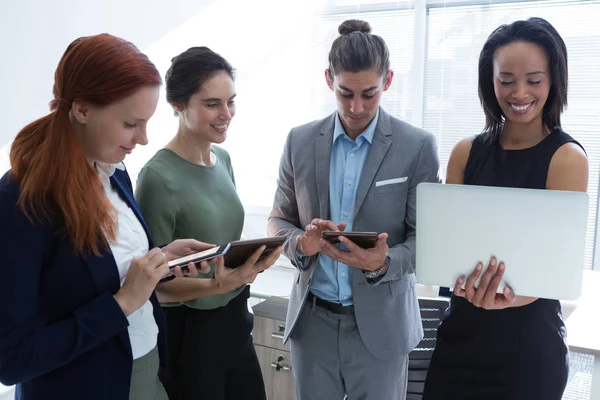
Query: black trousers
point(211, 353)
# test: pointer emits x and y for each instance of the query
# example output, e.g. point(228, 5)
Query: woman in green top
point(188, 190)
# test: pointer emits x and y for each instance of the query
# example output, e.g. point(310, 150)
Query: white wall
point(274, 82)
point(35, 33)
point(4, 163)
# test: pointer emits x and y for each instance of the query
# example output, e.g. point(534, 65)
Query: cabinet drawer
point(269, 332)
point(276, 367)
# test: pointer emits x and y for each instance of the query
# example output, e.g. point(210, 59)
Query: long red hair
point(46, 157)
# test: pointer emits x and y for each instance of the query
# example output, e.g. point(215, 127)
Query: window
point(443, 98)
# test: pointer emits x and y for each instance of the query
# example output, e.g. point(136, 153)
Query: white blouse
point(131, 242)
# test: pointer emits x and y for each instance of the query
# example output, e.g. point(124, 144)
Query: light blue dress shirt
point(331, 280)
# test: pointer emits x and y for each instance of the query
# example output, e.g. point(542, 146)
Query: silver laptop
point(538, 234)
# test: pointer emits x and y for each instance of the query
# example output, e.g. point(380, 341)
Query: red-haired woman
point(79, 318)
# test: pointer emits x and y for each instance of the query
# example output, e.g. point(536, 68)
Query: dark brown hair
point(190, 69)
point(356, 50)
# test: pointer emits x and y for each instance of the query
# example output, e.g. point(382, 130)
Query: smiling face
point(521, 81)
point(108, 134)
point(358, 95)
point(210, 110)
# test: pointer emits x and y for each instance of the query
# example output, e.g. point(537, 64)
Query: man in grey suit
point(353, 314)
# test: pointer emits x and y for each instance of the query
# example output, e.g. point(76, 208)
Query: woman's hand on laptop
point(485, 295)
point(308, 243)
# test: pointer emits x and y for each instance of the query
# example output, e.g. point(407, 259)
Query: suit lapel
point(98, 264)
point(121, 183)
point(323, 143)
point(105, 274)
point(379, 148)
point(127, 196)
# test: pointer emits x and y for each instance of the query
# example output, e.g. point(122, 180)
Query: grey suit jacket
point(387, 312)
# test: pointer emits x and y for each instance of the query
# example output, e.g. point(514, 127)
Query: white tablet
point(538, 234)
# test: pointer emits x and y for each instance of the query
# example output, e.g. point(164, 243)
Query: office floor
point(578, 388)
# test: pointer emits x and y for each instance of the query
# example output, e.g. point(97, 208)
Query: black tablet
point(366, 240)
point(241, 250)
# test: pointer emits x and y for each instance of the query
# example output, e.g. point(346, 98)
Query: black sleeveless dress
point(515, 353)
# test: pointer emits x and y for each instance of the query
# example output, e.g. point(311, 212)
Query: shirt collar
point(368, 133)
point(107, 170)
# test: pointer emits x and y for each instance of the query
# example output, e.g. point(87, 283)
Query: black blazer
point(62, 334)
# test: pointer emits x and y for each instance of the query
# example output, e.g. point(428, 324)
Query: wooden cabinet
point(274, 357)
point(276, 367)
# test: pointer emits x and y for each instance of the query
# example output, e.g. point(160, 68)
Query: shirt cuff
point(301, 260)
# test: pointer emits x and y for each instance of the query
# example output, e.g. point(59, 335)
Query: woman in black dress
point(504, 346)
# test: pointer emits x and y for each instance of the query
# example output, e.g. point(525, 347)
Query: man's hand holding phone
point(369, 258)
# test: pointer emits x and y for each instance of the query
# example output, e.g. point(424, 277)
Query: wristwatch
point(379, 271)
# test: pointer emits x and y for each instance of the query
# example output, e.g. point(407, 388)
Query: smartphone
point(366, 240)
point(241, 250)
point(196, 258)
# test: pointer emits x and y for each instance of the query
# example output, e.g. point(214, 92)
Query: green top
point(179, 200)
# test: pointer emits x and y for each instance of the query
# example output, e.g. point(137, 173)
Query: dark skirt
point(211, 353)
point(516, 353)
